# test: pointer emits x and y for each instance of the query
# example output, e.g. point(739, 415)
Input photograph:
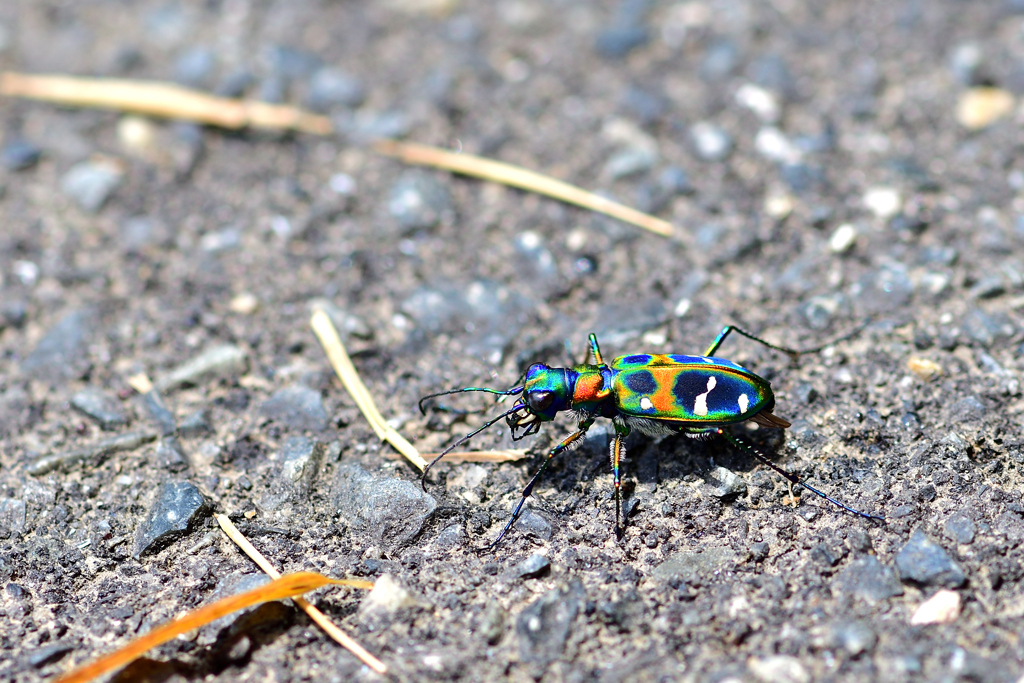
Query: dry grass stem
point(515, 176)
point(289, 586)
point(164, 100)
point(342, 364)
point(315, 614)
point(509, 455)
point(167, 100)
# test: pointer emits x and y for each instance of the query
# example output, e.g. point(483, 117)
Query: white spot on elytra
point(744, 403)
point(645, 403)
point(700, 406)
point(707, 360)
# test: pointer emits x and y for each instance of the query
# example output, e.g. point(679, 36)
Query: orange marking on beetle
point(663, 399)
point(589, 388)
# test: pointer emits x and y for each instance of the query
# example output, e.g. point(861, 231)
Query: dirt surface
point(815, 164)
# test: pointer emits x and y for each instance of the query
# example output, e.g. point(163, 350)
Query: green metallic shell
point(688, 389)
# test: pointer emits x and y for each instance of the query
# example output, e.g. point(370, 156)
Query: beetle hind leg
point(747, 447)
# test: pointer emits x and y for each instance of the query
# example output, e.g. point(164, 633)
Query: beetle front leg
point(566, 443)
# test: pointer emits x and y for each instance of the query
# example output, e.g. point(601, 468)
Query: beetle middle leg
point(618, 453)
point(594, 350)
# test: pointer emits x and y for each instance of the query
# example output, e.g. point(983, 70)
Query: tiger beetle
point(653, 394)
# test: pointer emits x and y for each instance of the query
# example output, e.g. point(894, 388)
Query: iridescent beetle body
point(653, 394)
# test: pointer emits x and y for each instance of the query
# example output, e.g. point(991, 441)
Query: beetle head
point(546, 392)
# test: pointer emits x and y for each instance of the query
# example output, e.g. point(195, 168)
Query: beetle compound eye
point(540, 400)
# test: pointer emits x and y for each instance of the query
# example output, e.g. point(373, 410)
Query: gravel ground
point(822, 162)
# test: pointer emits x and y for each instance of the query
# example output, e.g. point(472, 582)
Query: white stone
point(772, 144)
point(779, 206)
point(979, 108)
point(842, 239)
point(342, 183)
point(763, 103)
point(245, 304)
point(778, 669)
point(941, 608)
point(884, 202)
point(387, 595)
point(136, 134)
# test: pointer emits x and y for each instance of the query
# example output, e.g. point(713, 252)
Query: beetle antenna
point(467, 437)
point(746, 447)
point(510, 392)
point(518, 387)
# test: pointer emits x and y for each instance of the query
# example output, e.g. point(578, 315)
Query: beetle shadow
point(681, 455)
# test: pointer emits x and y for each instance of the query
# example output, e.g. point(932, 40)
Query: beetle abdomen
point(704, 393)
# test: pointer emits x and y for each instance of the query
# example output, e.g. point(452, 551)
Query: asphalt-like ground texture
point(818, 172)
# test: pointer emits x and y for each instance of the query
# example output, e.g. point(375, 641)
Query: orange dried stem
point(287, 586)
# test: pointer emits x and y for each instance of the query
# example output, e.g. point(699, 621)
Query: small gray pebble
point(196, 424)
point(177, 508)
point(618, 41)
point(924, 561)
point(969, 409)
point(960, 528)
point(629, 162)
point(62, 352)
point(291, 63)
point(418, 201)
point(988, 287)
point(854, 637)
point(13, 314)
point(544, 626)
point(170, 456)
point(298, 408)
point(194, 66)
point(90, 184)
point(531, 567)
point(724, 483)
point(531, 522)
point(99, 406)
point(759, 551)
point(710, 142)
point(48, 654)
point(646, 106)
point(867, 578)
point(720, 60)
point(220, 361)
point(19, 155)
point(158, 412)
point(390, 511)
point(330, 87)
